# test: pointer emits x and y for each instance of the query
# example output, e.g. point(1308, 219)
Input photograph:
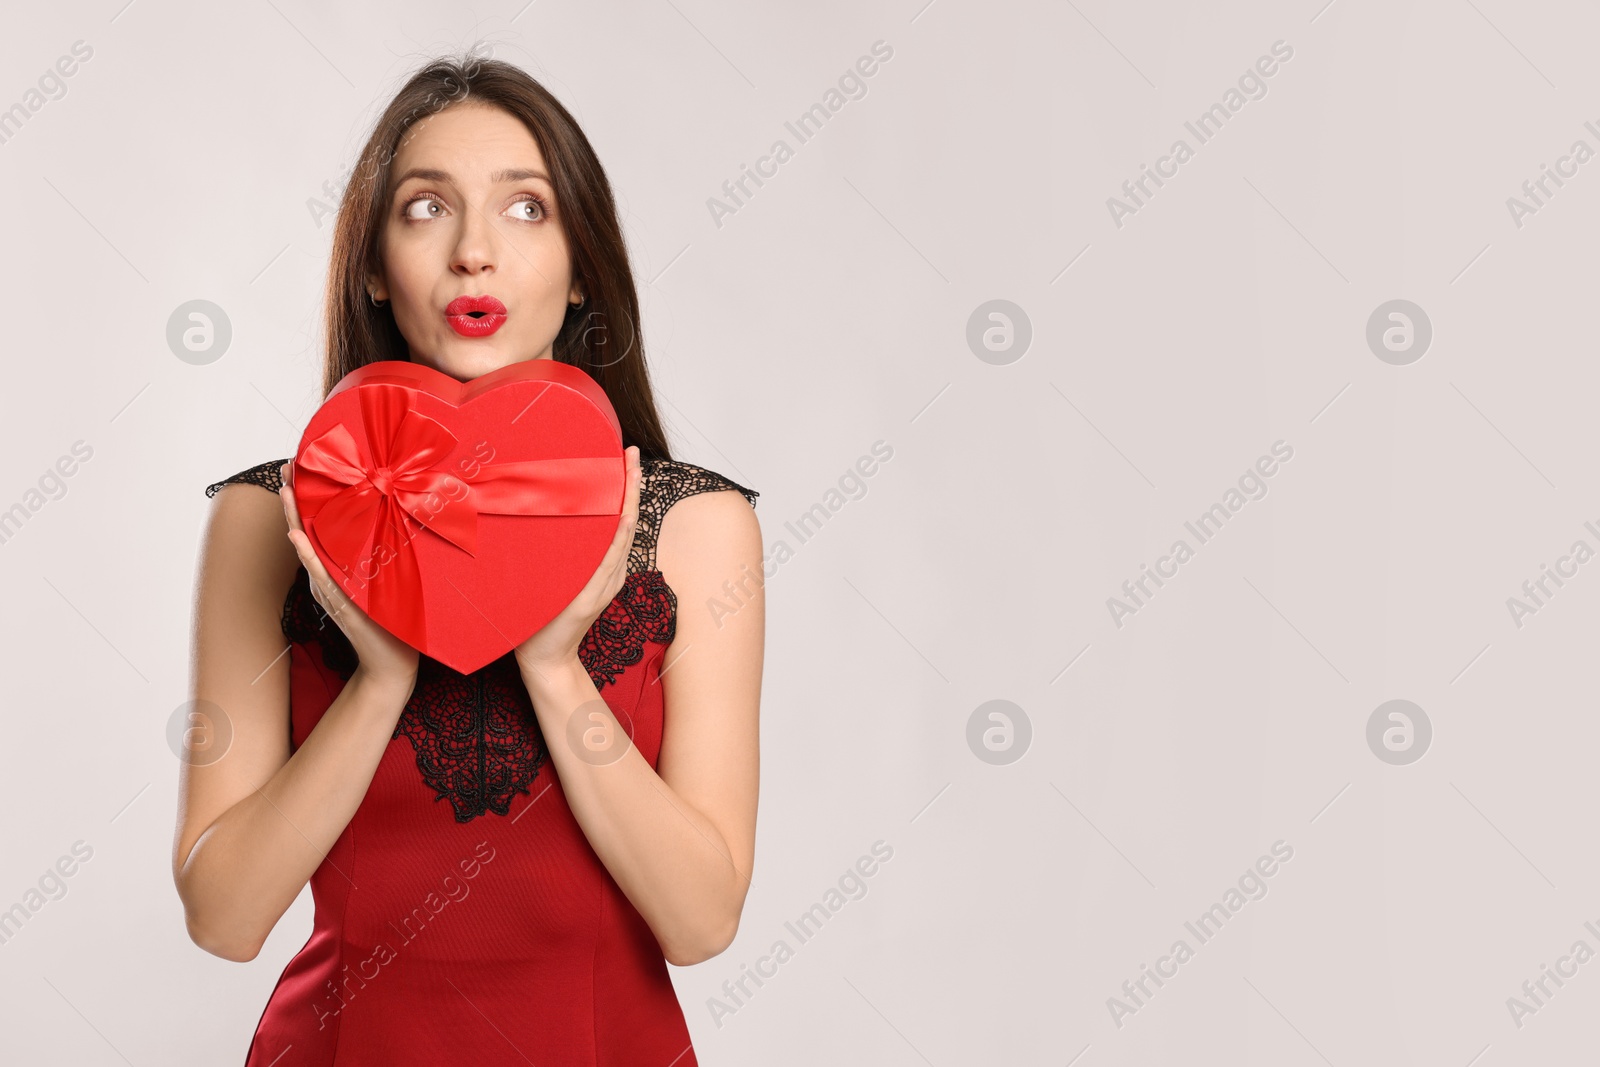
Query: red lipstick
point(475, 316)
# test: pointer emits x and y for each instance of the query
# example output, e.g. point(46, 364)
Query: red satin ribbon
point(400, 492)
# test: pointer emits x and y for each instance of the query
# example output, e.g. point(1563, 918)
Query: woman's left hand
point(556, 644)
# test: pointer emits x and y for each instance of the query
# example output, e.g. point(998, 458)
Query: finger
point(291, 509)
point(332, 598)
point(307, 556)
point(628, 522)
point(625, 522)
point(636, 478)
point(322, 581)
point(630, 499)
point(608, 573)
point(631, 505)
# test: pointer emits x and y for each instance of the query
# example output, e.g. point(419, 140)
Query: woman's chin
point(468, 360)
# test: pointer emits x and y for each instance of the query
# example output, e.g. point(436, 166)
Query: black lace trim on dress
point(263, 474)
point(476, 736)
point(644, 610)
point(662, 483)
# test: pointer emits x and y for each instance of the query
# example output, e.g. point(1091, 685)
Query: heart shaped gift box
point(462, 516)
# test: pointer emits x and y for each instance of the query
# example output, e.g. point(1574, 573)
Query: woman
point(492, 884)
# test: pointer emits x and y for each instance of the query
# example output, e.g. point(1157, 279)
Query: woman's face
point(473, 215)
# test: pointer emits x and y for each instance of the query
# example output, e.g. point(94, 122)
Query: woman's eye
point(410, 211)
point(529, 210)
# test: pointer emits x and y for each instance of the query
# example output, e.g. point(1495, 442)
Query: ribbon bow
point(391, 498)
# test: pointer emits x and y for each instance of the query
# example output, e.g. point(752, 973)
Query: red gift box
point(462, 516)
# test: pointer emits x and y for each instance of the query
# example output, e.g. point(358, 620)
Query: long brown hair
point(602, 337)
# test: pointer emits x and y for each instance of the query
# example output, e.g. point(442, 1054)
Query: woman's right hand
point(380, 653)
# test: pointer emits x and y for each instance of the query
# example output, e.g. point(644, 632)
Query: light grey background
point(1166, 755)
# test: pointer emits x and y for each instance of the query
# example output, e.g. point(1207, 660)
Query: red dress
point(462, 916)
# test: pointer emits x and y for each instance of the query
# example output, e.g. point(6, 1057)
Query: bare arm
point(256, 822)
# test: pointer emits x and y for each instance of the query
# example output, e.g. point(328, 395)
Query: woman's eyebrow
point(513, 174)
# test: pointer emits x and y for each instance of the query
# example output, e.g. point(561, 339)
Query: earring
point(581, 301)
point(372, 295)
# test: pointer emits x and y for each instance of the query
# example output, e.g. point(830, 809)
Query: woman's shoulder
point(245, 536)
point(266, 475)
point(664, 482)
